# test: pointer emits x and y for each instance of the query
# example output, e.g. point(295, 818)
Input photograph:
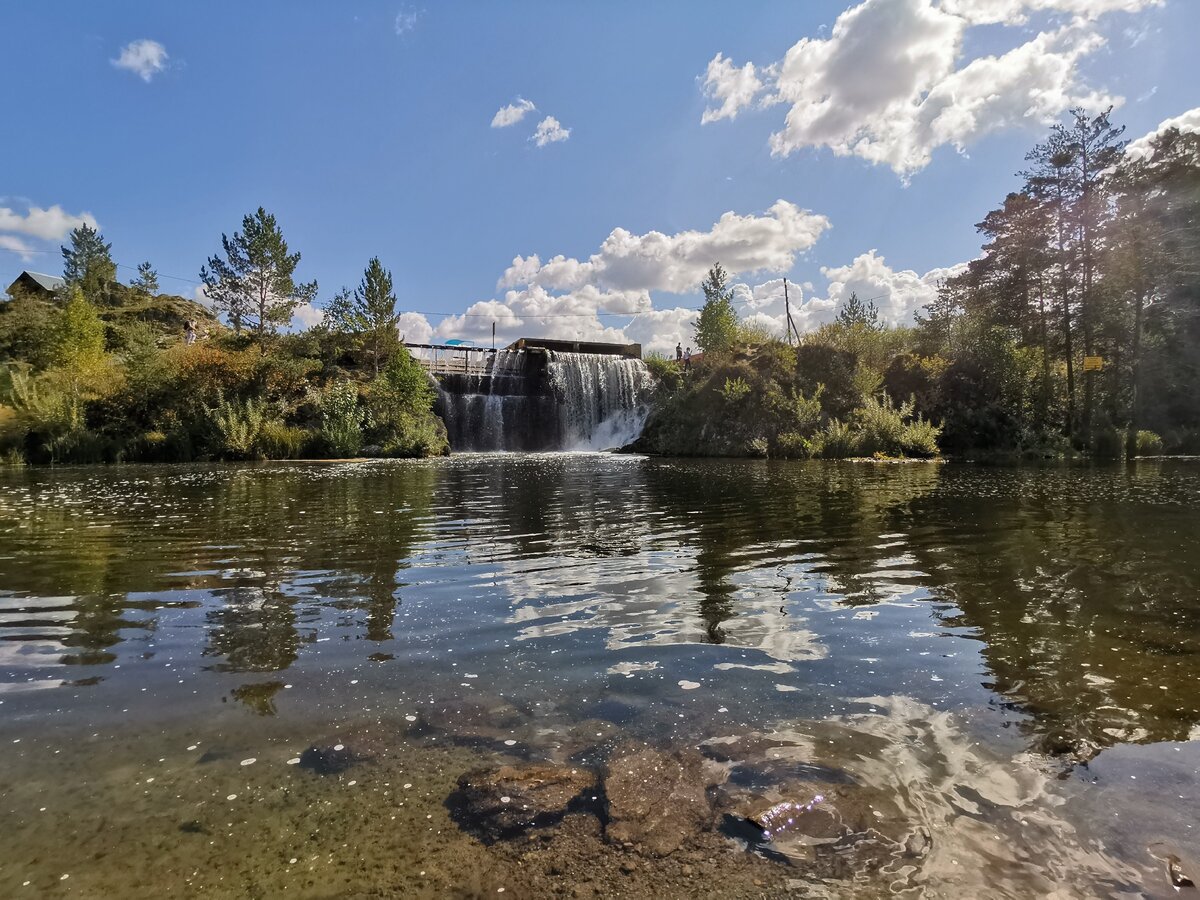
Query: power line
point(421, 312)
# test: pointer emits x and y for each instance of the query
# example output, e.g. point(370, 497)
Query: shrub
point(735, 390)
point(791, 445)
point(920, 439)
point(237, 425)
point(341, 432)
point(48, 423)
point(793, 411)
point(881, 426)
point(666, 373)
point(277, 440)
point(1149, 444)
point(824, 368)
point(889, 430)
point(835, 441)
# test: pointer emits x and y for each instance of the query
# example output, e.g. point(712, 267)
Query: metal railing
point(448, 359)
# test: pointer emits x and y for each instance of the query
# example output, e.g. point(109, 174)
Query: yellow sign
point(1093, 363)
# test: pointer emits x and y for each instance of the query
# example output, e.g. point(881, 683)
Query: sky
point(563, 169)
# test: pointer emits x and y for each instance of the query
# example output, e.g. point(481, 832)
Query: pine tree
point(88, 263)
point(375, 304)
point(716, 329)
point(1070, 173)
point(254, 284)
point(369, 313)
point(147, 279)
point(856, 312)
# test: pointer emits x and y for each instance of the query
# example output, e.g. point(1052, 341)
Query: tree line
point(1076, 330)
point(101, 371)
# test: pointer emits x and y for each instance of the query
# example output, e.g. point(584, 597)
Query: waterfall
point(602, 399)
point(545, 400)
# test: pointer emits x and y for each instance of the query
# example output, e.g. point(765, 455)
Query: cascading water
point(602, 399)
point(545, 400)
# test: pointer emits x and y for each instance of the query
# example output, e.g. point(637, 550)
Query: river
point(997, 667)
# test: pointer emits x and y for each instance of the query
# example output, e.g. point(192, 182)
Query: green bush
point(1149, 444)
point(666, 372)
point(888, 430)
point(835, 441)
point(735, 390)
point(880, 426)
point(236, 425)
point(48, 424)
point(341, 434)
point(920, 439)
point(277, 440)
point(791, 445)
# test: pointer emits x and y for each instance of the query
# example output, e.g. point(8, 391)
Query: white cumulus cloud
point(1142, 148)
point(144, 58)
point(676, 263)
point(16, 245)
point(896, 293)
point(550, 131)
point(51, 224)
point(608, 296)
point(512, 113)
point(1016, 12)
point(889, 84)
point(306, 315)
point(735, 88)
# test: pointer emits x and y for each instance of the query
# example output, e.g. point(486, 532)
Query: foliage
point(341, 432)
point(857, 313)
point(24, 330)
point(279, 441)
point(884, 429)
point(146, 280)
point(753, 333)
point(76, 334)
point(835, 441)
point(1148, 443)
point(48, 421)
point(830, 370)
point(735, 390)
point(88, 263)
point(254, 284)
point(717, 326)
point(238, 425)
point(399, 411)
point(369, 313)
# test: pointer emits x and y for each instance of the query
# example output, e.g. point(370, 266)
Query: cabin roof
point(49, 283)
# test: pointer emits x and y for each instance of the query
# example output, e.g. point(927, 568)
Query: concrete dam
point(540, 395)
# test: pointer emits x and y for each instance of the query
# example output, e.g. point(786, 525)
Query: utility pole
point(493, 335)
point(787, 306)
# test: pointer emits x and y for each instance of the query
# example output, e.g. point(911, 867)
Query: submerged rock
point(655, 800)
point(833, 830)
point(1176, 874)
point(501, 802)
point(336, 755)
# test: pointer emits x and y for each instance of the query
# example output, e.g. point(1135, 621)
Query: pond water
point(995, 668)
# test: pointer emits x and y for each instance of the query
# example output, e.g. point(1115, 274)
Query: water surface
point(1006, 659)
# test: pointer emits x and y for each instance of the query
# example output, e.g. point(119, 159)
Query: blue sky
point(367, 129)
